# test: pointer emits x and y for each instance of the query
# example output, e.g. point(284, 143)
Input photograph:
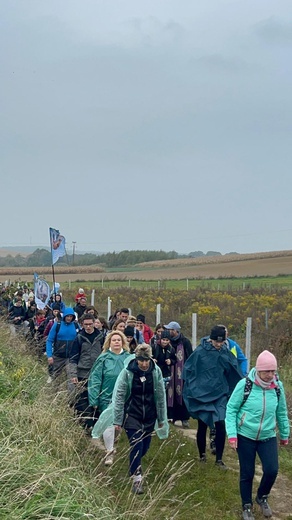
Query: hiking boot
point(263, 503)
point(185, 424)
point(109, 460)
point(137, 487)
point(203, 458)
point(220, 464)
point(247, 512)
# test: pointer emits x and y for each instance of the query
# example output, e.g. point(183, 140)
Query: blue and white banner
point(57, 245)
point(41, 291)
point(56, 288)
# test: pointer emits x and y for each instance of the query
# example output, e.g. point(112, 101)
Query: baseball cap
point(173, 325)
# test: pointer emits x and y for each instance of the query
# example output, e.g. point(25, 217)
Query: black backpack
point(248, 387)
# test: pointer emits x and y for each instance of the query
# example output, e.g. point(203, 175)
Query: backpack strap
point(77, 327)
point(57, 331)
point(248, 387)
point(278, 392)
point(247, 390)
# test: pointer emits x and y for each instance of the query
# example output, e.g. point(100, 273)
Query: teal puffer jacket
point(258, 417)
point(103, 376)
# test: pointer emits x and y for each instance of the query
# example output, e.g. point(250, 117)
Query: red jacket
point(78, 296)
point(147, 334)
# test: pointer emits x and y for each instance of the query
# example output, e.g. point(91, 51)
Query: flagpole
point(53, 270)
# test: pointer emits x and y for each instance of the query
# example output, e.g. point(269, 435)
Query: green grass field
point(220, 284)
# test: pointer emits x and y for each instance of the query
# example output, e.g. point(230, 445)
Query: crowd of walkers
point(122, 374)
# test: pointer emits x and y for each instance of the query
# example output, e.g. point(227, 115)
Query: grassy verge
point(50, 470)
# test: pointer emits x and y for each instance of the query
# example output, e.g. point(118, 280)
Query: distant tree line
point(42, 258)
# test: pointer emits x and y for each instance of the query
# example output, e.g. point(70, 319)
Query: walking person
point(80, 307)
point(17, 315)
point(243, 365)
point(256, 406)
point(157, 335)
point(139, 406)
point(164, 355)
point(210, 375)
point(101, 324)
point(58, 347)
point(101, 382)
point(85, 350)
point(132, 342)
point(177, 410)
point(145, 330)
point(120, 325)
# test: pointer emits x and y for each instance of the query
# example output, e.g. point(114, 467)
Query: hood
point(206, 343)
point(133, 367)
point(68, 312)
point(252, 374)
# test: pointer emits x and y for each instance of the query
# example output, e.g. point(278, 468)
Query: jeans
point(267, 451)
point(139, 444)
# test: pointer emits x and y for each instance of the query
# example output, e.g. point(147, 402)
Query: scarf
point(263, 384)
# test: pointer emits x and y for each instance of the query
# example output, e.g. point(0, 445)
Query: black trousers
point(86, 413)
point(219, 439)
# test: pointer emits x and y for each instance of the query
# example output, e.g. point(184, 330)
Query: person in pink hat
point(255, 407)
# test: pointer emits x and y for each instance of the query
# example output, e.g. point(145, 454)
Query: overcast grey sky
point(158, 124)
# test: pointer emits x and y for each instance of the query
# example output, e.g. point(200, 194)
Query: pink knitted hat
point(266, 361)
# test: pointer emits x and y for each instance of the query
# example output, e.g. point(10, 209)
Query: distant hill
point(19, 250)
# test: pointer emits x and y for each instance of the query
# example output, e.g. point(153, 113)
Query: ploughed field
point(230, 266)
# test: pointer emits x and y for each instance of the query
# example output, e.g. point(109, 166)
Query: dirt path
point(281, 495)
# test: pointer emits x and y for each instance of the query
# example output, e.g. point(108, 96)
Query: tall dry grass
point(49, 469)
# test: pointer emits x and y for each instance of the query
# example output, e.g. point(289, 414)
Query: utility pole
point(73, 252)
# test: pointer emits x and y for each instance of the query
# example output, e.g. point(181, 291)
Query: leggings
point(219, 440)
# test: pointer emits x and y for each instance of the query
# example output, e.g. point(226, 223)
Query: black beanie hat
point(129, 331)
point(165, 334)
point(141, 317)
point(218, 333)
